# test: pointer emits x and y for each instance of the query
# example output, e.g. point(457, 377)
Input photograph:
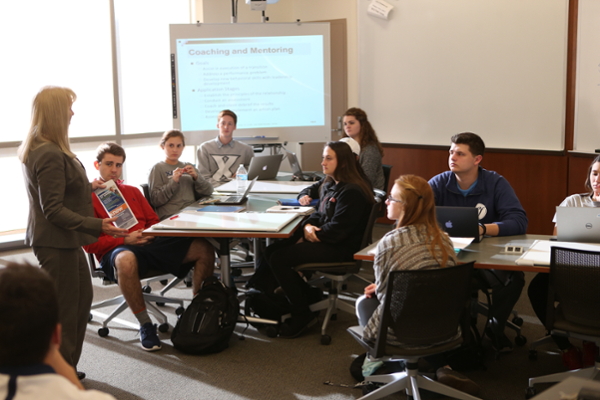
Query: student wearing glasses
point(416, 243)
point(219, 159)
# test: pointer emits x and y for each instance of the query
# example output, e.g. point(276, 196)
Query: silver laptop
point(459, 221)
point(264, 167)
point(578, 224)
point(237, 198)
point(297, 171)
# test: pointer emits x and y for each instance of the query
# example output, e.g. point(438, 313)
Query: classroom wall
point(540, 179)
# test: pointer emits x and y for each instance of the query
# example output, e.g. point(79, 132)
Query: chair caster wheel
point(333, 317)
point(271, 331)
point(188, 283)
point(90, 318)
point(179, 310)
point(520, 340)
point(164, 282)
point(325, 340)
point(533, 355)
point(103, 332)
point(517, 321)
point(146, 289)
point(530, 392)
point(160, 304)
point(163, 327)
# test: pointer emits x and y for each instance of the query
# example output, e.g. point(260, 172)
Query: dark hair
point(28, 314)
point(588, 184)
point(347, 168)
point(367, 133)
point(171, 134)
point(228, 112)
point(110, 148)
point(419, 208)
point(475, 143)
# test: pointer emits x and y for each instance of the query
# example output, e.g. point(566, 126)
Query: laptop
point(459, 221)
point(264, 167)
point(297, 171)
point(578, 224)
point(236, 198)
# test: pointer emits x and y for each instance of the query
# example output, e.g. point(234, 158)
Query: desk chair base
point(332, 303)
point(411, 381)
point(587, 373)
point(149, 298)
point(590, 373)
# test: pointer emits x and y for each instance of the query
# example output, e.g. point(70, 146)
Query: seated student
point(358, 127)
point(416, 243)
point(219, 159)
point(135, 254)
point(538, 287)
point(467, 184)
point(31, 366)
point(174, 184)
point(311, 192)
point(333, 233)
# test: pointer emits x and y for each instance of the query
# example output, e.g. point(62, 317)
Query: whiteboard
point(439, 67)
point(587, 92)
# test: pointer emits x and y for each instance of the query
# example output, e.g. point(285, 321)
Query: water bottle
point(241, 177)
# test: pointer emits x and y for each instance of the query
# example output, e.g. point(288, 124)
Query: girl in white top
point(174, 184)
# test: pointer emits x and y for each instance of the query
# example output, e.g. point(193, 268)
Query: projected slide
point(269, 82)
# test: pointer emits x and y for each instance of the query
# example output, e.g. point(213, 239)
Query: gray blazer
point(61, 214)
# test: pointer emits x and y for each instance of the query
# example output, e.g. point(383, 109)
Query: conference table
point(490, 253)
point(256, 206)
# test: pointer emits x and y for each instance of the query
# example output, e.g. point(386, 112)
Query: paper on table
point(460, 243)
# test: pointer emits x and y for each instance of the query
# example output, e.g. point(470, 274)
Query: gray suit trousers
point(70, 271)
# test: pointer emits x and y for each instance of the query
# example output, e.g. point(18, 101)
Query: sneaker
point(590, 353)
point(456, 380)
point(149, 338)
point(571, 358)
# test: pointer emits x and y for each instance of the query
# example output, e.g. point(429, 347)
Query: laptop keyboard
point(232, 199)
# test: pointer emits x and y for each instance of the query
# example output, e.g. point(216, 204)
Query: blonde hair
point(419, 208)
point(50, 118)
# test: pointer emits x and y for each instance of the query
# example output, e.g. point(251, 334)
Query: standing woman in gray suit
point(61, 215)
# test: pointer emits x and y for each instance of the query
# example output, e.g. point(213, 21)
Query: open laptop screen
point(459, 221)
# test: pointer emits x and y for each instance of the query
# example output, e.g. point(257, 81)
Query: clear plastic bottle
point(241, 177)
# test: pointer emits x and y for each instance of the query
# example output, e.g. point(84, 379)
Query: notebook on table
point(459, 221)
point(264, 167)
point(578, 224)
point(236, 198)
point(297, 171)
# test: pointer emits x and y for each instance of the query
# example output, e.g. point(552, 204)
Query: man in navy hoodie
point(467, 184)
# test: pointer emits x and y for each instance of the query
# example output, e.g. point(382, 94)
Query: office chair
point(422, 326)
point(574, 277)
point(338, 273)
point(149, 298)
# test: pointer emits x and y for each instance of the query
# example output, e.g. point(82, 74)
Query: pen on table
point(174, 217)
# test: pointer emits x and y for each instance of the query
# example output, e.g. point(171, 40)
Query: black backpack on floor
point(207, 324)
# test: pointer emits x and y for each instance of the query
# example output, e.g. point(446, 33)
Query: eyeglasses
point(393, 200)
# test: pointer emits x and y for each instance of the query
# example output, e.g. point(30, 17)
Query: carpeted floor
point(258, 367)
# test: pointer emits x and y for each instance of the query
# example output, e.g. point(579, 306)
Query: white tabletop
point(277, 187)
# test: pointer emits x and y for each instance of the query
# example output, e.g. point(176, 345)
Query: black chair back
point(425, 306)
point(146, 191)
point(575, 283)
point(387, 170)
